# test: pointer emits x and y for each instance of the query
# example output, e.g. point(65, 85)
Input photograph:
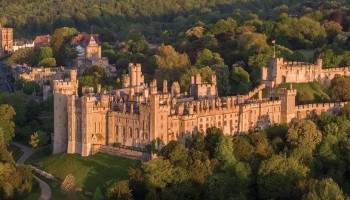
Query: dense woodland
point(306, 159)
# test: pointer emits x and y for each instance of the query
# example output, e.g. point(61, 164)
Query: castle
point(138, 113)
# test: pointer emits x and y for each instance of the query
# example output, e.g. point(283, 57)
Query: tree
point(280, 170)
point(252, 44)
point(340, 88)
point(303, 133)
point(324, 189)
point(176, 153)
point(95, 70)
point(68, 186)
point(170, 64)
point(330, 59)
point(7, 125)
point(194, 33)
point(156, 178)
point(223, 79)
point(45, 52)
point(30, 87)
point(345, 111)
point(38, 138)
point(332, 29)
point(208, 58)
point(305, 96)
point(97, 194)
point(60, 43)
point(48, 62)
point(205, 72)
point(240, 83)
point(141, 46)
point(223, 26)
point(212, 138)
point(22, 56)
point(119, 190)
point(224, 151)
point(255, 63)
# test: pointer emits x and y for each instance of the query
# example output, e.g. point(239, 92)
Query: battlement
point(326, 70)
point(318, 105)
point(298, 63)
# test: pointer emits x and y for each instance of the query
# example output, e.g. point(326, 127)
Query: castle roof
point(84, 39)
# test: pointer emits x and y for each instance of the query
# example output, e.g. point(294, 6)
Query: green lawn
point(318, 90)
point(40, 154)
point(89, 172)
point(16, 151)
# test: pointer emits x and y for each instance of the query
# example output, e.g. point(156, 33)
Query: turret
point(287, 97)
point(165, 86)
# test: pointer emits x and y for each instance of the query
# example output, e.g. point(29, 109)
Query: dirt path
point(27, 152)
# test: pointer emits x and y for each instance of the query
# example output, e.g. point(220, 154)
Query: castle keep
point(138, 113)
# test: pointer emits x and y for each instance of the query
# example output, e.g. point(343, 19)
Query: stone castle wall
point(138, 114)
point(280, 71)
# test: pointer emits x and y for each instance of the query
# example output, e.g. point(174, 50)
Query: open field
point(89, 172)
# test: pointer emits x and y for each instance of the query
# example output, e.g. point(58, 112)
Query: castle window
point(161, 117)
point(130, 132)
point(137, 133)
point(124, 132)
point(116, 131)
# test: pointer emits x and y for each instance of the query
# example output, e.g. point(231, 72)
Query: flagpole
point(274, 48)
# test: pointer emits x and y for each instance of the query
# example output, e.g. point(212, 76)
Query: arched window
point(124, 132)
point(145, 136)
point(137, 136)
point(130, 132)
point(116, 131)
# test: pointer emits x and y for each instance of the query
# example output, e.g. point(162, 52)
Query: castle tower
point(61, 90)
point(6, 39)
point(86, 124)
point(272, 75)
point(71, 111)
point(93, 49)
point(287, 97)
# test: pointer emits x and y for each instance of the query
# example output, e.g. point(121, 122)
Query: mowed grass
point(318, 90)
point(89, 172)
point(40, 154)
point(16, 152)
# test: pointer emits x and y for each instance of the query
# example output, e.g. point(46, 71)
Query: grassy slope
point(89, 172)
point(318, 90)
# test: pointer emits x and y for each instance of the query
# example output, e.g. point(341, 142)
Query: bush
point(39, 138)
point(68, 186)
point(31, 86)
point(117, 144)
point(305, 96)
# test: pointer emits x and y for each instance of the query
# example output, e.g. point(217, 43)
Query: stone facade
point(280, 71)
point(139, 113)
point(6, 39)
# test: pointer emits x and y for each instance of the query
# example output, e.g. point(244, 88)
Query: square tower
point(6, 40)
